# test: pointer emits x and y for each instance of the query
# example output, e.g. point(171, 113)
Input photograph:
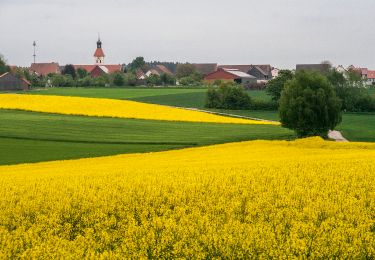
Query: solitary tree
point(276, 85)
point(309, 105)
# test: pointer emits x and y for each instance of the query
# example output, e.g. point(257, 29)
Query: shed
point(9, 82)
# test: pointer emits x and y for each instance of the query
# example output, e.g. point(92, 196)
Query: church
point(99, 67)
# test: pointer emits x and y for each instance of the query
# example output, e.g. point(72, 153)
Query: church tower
point(99, 54)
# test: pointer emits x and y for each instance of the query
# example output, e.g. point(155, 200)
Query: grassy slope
point(33, 137)
point(358, 127)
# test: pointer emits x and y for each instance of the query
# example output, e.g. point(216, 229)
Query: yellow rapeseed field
point(259, 199)
point(112, 108)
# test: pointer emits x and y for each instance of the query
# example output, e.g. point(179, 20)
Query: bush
point(167, 79)
point(228, 96)
point(118, 79)
point(153, 80)
point(309, 105)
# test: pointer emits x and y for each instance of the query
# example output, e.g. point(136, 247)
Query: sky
point(277, 32)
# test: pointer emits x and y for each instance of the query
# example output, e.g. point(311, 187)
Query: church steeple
point(99, 43)
point(99, 54)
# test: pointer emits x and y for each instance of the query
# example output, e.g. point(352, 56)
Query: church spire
point(99, 54)
point(99, 42)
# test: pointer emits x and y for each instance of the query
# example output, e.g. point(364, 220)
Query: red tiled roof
point(44, 69)
point(99, 53)
point(88, 68)
point(139, 74)
point(162, 69)
point(113, 68)
point(220, 74)
point(371, 74)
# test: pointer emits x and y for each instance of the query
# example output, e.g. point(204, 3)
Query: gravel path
point(336, 135)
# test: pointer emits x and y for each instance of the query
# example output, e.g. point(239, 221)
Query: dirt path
point(336, 135)
point(226, 114)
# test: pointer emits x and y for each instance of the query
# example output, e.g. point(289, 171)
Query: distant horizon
point(281, 34)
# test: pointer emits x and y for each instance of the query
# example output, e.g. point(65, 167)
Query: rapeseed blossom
point(112, 108)
point(259, 199)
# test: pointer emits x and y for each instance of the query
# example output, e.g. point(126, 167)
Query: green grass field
point(358, 127)
point(27, 137)
point(181, 97)
point(355, 127)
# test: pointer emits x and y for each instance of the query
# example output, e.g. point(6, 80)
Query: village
point(142, 73)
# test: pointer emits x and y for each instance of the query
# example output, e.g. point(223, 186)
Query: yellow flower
point(112, 108)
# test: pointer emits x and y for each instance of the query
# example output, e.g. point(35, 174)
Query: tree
point(153, 80)
point(81, 73)
point(309, 105)
point(276, 85)
point(228, 96)
point(185, 70)
point(69, 70)
point(3, 65)
point(130, 79)
point(118, 79)
point(137, 63)
point(167, 79)
point(350, 88)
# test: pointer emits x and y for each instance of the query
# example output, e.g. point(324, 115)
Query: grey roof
point(240, 73)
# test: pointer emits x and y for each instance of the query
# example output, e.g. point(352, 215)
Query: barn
point(231, 75)
point(9, 82)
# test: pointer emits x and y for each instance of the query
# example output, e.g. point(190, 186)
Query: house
point(371, 77)
point(367, 75)
point(8, 82)
point(322, 68)
point(275, 72)
point(260, 72)
point(98, 70)
point(43, 69)
point(140, 75)
point(230, 75)
point(341, 69)
point(205, 68)
point(158, 70)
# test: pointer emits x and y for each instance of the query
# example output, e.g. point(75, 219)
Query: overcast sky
point(277, 32)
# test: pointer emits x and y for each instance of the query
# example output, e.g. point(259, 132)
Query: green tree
point(130, 79)
point(167, 79)
point(228, 96)
point(81, 73)
point(137, 63)
point(153, 80)
point(276, 85)
point(118, 79)
point(3, 65)
point(69, 70)
point(351, 89)
point(309, 105)
point(185, 70)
